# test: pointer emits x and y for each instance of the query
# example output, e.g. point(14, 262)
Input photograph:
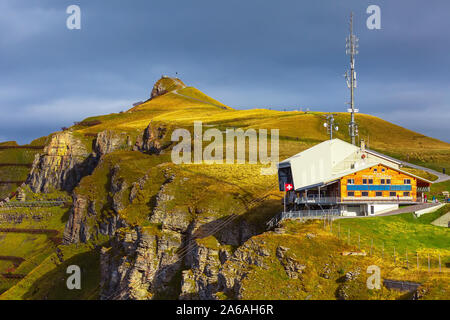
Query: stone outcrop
point(153, 140)
point(173, 261)
point(165, 85)
point(140, 265)
point(201, 280)
point(66, 160)
point(84, 222)
point(63, 163)
point(251, 253)
point(289, 262)
point(108, 141)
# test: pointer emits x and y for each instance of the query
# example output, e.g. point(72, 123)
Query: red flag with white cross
point(288, 186)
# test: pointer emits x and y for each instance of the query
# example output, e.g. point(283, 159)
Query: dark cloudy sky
point(250, 53)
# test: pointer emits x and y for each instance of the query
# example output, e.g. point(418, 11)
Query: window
point(364, 181)
point(392, 194)
point(375, 170)
point(350, 194)
point(370, 181)
point(383, 181)
point(383, 170)
point(365, 194)
point(388, 181)
point(350, 181)
point(407, 181)
point(378, 194)
point(406, 194)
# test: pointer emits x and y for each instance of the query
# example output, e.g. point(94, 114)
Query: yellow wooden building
point(353, 180)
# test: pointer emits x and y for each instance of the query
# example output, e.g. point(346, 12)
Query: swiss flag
point(288, 186)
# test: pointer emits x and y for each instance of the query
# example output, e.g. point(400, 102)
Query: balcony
point(303, 214)
point(316, 199)
point(381, 200)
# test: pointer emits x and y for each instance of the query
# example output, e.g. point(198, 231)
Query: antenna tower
point(330, 125)
point(350, 76)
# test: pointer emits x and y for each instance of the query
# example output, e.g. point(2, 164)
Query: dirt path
point(441, 177)
point(199, 100)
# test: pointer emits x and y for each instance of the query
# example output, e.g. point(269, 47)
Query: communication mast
point(351, 47)
point(330, 125)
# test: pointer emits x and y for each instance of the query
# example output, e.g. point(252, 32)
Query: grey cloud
point(244, 53)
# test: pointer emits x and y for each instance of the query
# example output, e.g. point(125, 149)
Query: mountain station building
point(354, 180)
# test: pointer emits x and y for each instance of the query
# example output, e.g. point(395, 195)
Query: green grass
point(48, 280)
point(405, 232)
point(34, 248)
point(317, 253)
point(437, 188)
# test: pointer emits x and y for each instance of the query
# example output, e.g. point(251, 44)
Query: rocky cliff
point(66, 159)
point(64, 162)
point(177, 256)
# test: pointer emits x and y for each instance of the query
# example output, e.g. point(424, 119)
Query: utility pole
point(350, 76)
point(330, 125)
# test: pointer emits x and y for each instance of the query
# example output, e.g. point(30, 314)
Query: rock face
point(62, 165)
point(66, 160)
point(139, 265)
point(83, 221)
point(290, 264)
point(201, 280)
point(153, 140)
point(251, 253)
point(173, 261)
point(108, 141)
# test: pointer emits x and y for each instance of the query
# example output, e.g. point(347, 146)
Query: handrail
point(302, 214)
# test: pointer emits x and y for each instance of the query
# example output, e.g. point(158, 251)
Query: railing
point(303, 214)
point(394, 200)
point(317, 199)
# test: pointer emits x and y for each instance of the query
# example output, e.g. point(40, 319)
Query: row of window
point(376, 170)
point(377, 194)
point(382, 181)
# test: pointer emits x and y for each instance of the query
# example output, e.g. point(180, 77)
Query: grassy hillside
point(219, 190)
point(298, 130)
point(325, 269)
point(405, 232)
point(32, 248)
point(12, 172)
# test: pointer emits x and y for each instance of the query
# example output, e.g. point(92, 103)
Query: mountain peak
point(166, 84)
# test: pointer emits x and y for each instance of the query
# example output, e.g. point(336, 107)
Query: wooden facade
point(379, 182)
